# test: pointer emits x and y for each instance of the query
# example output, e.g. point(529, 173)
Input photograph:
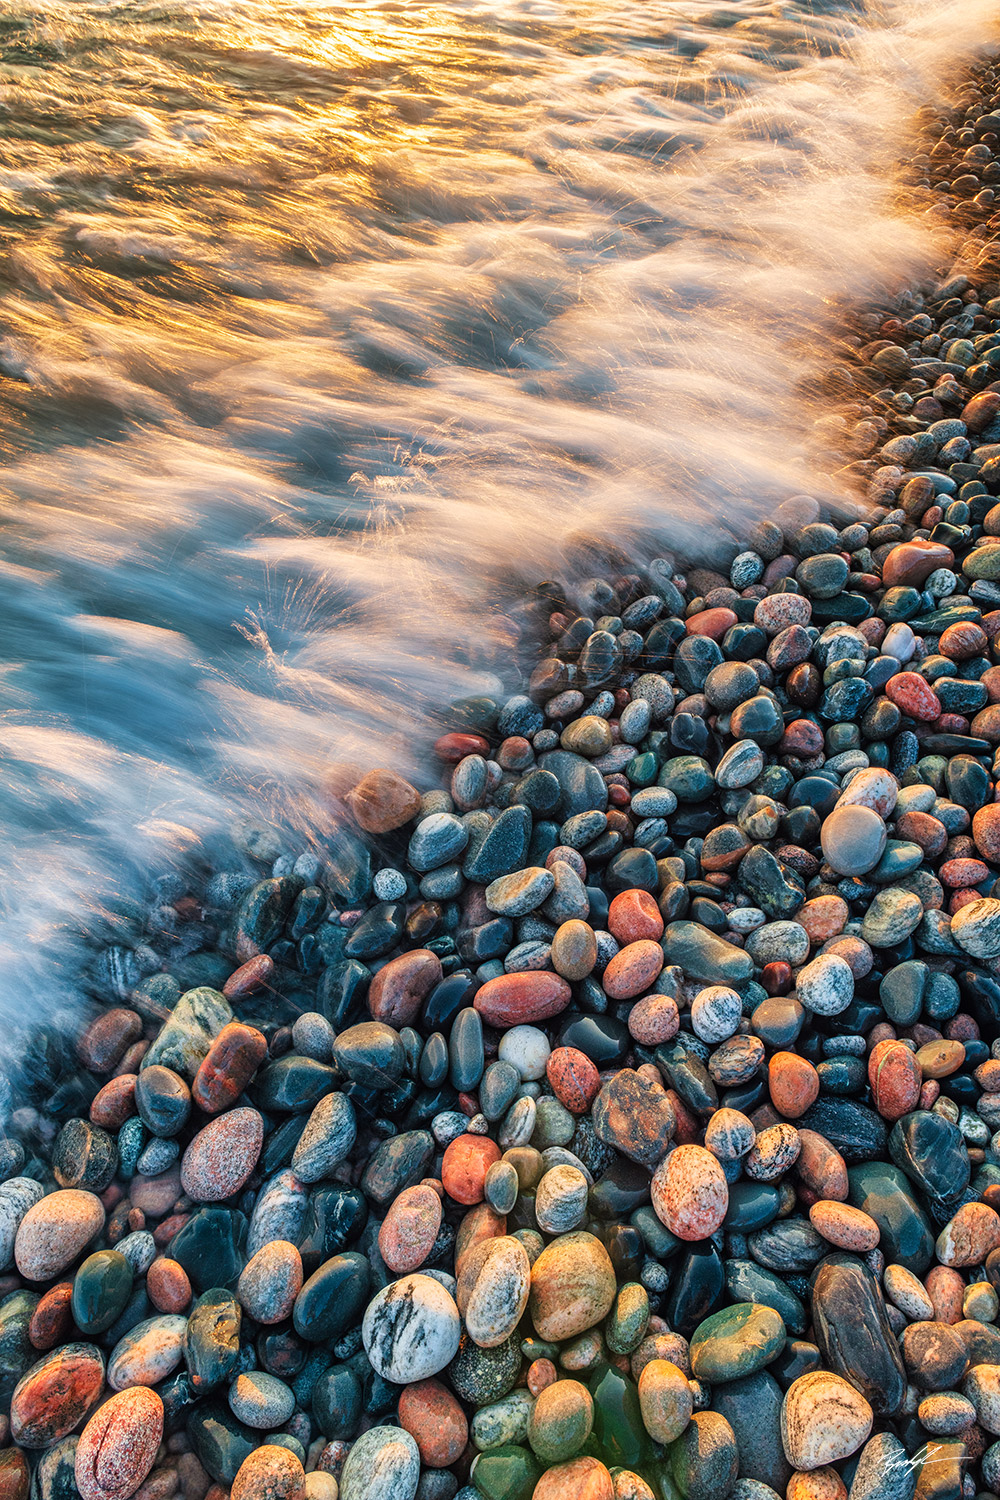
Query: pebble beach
point(614, 1115)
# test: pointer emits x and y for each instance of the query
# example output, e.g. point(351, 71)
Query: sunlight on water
point(323, 326)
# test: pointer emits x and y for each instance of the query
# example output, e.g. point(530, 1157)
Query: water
point(324, 325)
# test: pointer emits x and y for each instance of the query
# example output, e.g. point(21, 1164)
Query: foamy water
point(325, 326)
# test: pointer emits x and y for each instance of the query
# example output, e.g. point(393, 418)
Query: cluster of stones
point(619, 1120)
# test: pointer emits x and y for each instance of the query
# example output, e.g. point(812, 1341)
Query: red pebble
point(632, 970)
point(167, 1286)
point(467, 1159)
point(256, 974)
point(52, 1320)
point(401, 986)
point(455, 747)
point(895, 1078)
point(434, 1419)
point(541, 1373)
point(634, 915)
point(114, 1103)
point(228, 1066)
point(914, 696)
point(522, 999)
point(711, 622)
point(776, 977)
point(963, 872)
point(574, 1078)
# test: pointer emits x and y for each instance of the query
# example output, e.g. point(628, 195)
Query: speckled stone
point(689, 1193)
point(270, 1282)
point(117, 1448)
point(221, 1157)
point(55, 1394)
point(572, 1286)
point(54, 1231)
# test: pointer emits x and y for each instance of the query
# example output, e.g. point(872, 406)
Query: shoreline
point(617, 1116)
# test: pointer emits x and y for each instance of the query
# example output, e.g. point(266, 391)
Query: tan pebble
point(906, 1292)
point(823, 1419)
point(269, 1473)
point(665, 1400)
point(580, 1479)
point(573, 1286)
point(821, 1484)
point(492, 1290)
point(968, 1238)
point(54, 1231)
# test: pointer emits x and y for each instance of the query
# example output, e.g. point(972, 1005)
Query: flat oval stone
point(854, 1335)
point(221, 1157)
point(689, 1193)
point(520, 999)
point(493, 1288)
point(327, 1139)
point(332, 1298)
point(270, 1282)
point(101, 1288)
point(932, 1153)
point(704, 1460)
point(55, 1394)
point(735, 1342)
point(411, 1329)
point(882, 1192)
point(270, 1472)
point(148, 1352)
point(370, 1054)
point(401, 986)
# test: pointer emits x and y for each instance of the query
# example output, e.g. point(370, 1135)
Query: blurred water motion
point(322, 326)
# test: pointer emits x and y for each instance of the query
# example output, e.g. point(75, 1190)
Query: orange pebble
point(793, 1083)
point(167, 1285)
point(466, 1162)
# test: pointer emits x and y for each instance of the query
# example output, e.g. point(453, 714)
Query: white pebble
point(527, 1049)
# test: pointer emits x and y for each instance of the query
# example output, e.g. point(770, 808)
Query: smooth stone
point(881, 1191)
point(54, 1395)
point(854, 1335)
point(101, 1288)
point(736, 1342)
point(212, 1339)
point(823, 1419)
point(210, 1247)
point(383, 1464)
point(185, 1037)
point(332, 1298)
point(572, 1286)
point(327, 1139)
point(748, 1281)
point(883, 1471)
point(752, 1407)
point(411, 1329)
